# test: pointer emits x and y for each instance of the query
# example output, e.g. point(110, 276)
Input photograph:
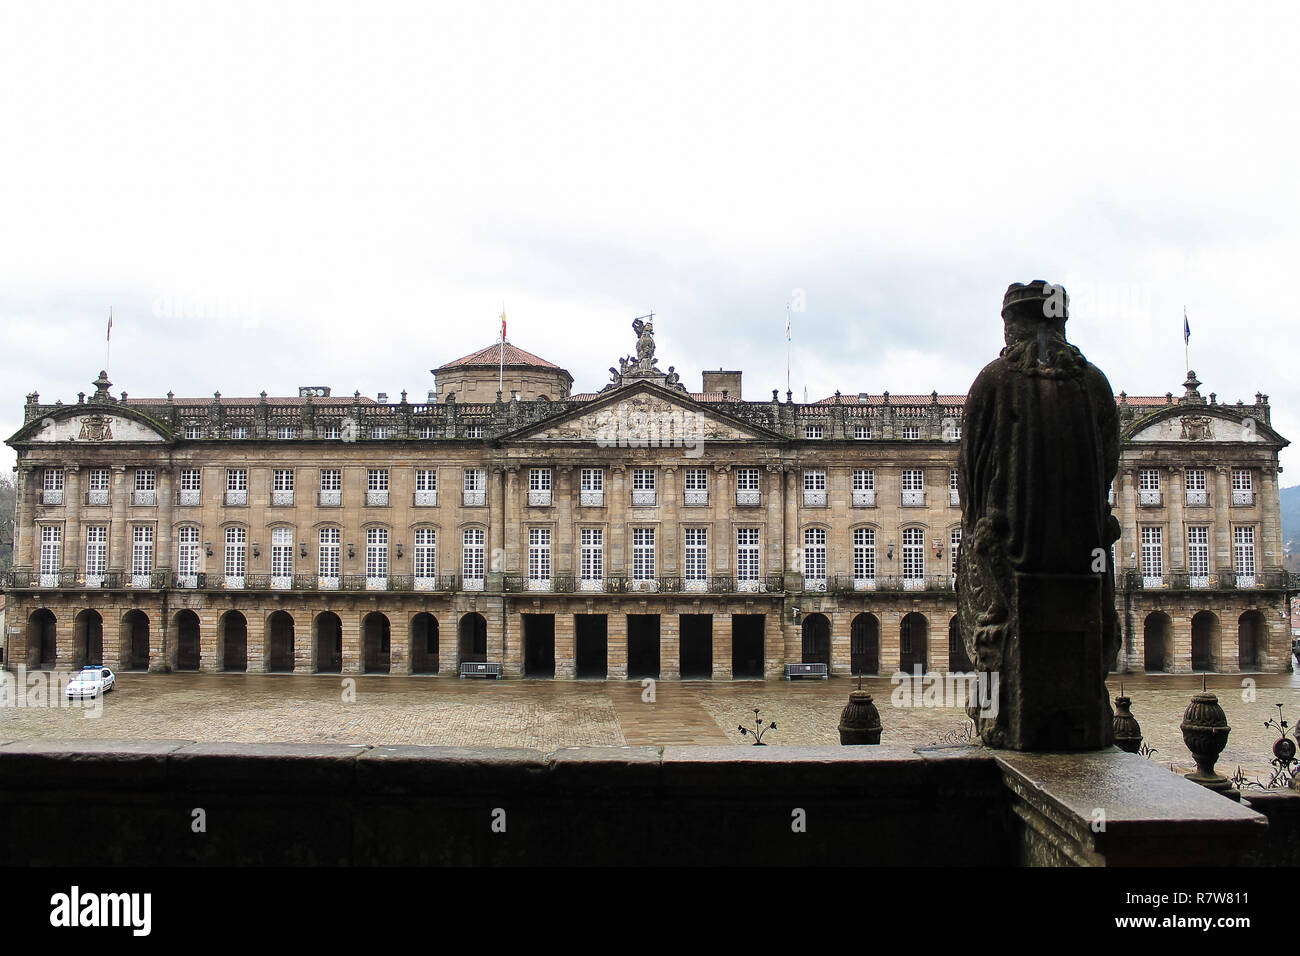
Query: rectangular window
point(539, 559)
point(913, 487)
point(696, 487)
point(281, 557)
point(814, 559)
point(377, 558)
point(539, 487)
point(236, 557)
point(188, 557)
point(327, 558)
point(97, 487)
point(51, 555)
point(473, 431)
point(96, 554)
point(146, 487)
point(239, 431)
point(328, 431)
point(643, 486)
point(747, 559)
point(747, 488)
point(864, 557)
point(141, 555)
point(426, 554)
point(911, 432)
point(862, 432)
point(1153, 557)
point(426, 487)
point(237, 486)
point(1243, 552)
point(475, 492)
point(377, 486)
point(812, 431)
point(592, 558)
point(379, 431)
point(697, 559)
point(1194, 479)
point(285, 432)
point(814, 488)
point(282, 486)
point(471, 559)
point(191, 487)
point(592, 488)
point(864, 488)
point(1198, 556)
point(331, 487)
point(193, 431)
point(1149, 486)
point(913, 558)
point(52, 492)
point(1243, 487)
point(643, 554)
point(954, 548)
point(954, 488)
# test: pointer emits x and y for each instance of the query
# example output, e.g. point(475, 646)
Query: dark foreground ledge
point(172, 802)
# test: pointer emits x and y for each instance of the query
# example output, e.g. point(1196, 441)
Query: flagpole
point(787, 347)
point(501, 374)
point(108, 339)
point(1187, 337)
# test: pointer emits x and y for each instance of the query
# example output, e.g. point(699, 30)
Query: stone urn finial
point(1125, 728)
point(860, 720)
point(1205, 732)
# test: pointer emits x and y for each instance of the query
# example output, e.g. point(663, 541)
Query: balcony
point(643, 499)
point(539, 498)
point(591, 584)
point(697, 584)
point(282, 499)
point(194, 580)
point(281, 582)
point(474, 499)
point(234, 582)
point(236, 498)
point(144, 499)
point(954, 497)
point(1153, 581)
point(52, 496)
point(814, 583)
point(751, 584)
point(1150, 499)
point(377, 583)
point(695, 499)
point(749, 499)
point(650, 585)
point(1198, 499)
point(1245, 580)
point(591, 499)
point(814, 499)
point(913, 499)
point(1243, 499)
point(330, 499)
point(189, 497)
point(98, 496)
point(377, 499)
point(864, 498)
point(425, 499)
point(472, 584)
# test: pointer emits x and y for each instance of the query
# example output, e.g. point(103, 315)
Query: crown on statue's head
point(1039, 300)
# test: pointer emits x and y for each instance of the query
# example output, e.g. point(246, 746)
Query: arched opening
point(424, 644)
point(472, 641)
point(135, 641)
point(1157, 643)
point(375, 641)
point(959, 661)
point(864, 645)
point(1252, 641)
point(42, 644)
point(233, 629)
point(1205, 641)
point(817, 640)
point(913, 643)
point(279, 642)
point(187, 641)
point(88, 639)
point(327, 644)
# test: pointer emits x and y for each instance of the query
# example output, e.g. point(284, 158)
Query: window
point(539, 559)
point(426, 487)
point(747, 559)
point(378, 431)
point(52, 492)
point(146, 487)
point(97, 488)
point(285, 432)
point(281, 557)
point(328, 431)
point(954, 548)
point(954, 488)
point(864, 488)
point(188, 557)
point(1198, 556)
point(282, 486)
point(327, 558)
point(141, 555)
point(592, 488)
point(475, 487)
point(426, 555)
point(643, 554)
point(237, 486)
point(814, 488)
point(913, 558)
point(377, 558)
point(864, 557)
point(591, 562)
point(236, 557)
point(911, 432)
point(1243, 487)
point(697, 559)
point(191, 487)
point(239, 431)
point(51, 555)
point(1153, 557)
point(471, 559)
point(747, 489)
point(812, 431)
point(862, 432)
point(331, 487)
point(1196, 487)
point(913, 487)
point(193, 431)
point(539, 487)
point(473, 431)
point(1243, 552)
point(1149, 487)
point(96, 554)
point(643, 486)
point(377, 486)
point(814, 559)
point(697, 487)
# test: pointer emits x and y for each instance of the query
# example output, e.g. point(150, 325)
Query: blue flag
point(1187, 329)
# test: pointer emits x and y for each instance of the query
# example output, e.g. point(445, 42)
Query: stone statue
point(672, 378)
point(645, 343)
point(1035, 578)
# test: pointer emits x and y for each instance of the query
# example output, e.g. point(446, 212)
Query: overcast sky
point(272, 195)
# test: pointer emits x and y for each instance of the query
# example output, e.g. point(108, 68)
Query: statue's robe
point(1039, 449)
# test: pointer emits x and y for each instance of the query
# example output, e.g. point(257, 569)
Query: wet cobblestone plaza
point(548, 715)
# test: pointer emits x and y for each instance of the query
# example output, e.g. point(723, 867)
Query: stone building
point(642, 530)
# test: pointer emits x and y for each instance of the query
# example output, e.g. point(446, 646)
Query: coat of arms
point(1197, 428)
point(96, 428)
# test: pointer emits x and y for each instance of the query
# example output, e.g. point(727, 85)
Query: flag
point(109, 336)
point(1187, 329)
point(787, 322)
point(503, 325)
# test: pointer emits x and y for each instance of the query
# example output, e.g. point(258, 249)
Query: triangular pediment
point(1200, 424)
point(643, 415)
point(92, 424)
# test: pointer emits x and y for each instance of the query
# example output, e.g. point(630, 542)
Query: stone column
point(74, 544)
point(841, 661)
point(670, 507)
point(1222, 559)
point(564, 498)
point(669, 645)
point(506, 624)
point(23, 511)
point(722, 646)
point(449, 641)
point(790, 522)
point(616, 502)
point(1130, 539)
point(565, 645)
point(350, 620)
point(399, 642)
point(616, 643)
point(774, 642)
point(771, 538)
point(1177, 530)
point(511, 517)
point(258, 640)
point(722, 501)
point(119, 547)
point(112, 636)
point(304, 638)
point(496, 522)
point(891, 619)
point(166, 502)
point(1270, 523)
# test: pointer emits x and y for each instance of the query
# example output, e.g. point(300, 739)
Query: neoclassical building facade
point(639, 531)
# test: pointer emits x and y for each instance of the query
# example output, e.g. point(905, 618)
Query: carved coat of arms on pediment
point(1197, 428)
point(96, 428)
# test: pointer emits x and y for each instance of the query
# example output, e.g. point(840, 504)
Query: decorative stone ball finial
point(1127, 731)
point(860, 720)
point(1205, 732)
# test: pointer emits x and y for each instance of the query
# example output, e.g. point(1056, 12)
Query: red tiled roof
point(491, 355)
point(237, 400)
point(879, 399)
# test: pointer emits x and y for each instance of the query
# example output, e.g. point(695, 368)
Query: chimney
point(720, 381)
